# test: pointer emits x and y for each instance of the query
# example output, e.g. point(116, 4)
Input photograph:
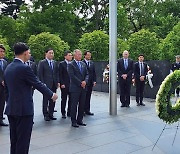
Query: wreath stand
point(177, 128)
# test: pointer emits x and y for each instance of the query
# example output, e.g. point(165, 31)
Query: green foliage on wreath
point(164, 108)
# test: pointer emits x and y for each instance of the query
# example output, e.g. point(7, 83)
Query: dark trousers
point(64, 94)
point(125, 88)
point(20, 133)
point(2, 102)
point(48, 104)
point(139, 91)
point(88, 99)
point(77, 102)
point(177, 91)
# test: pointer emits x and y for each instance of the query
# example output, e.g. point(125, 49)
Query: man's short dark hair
point(20, 47)
point(141, 55)
point(46, 51)
point(2, 47)
point(66, 53)
point(85, 53)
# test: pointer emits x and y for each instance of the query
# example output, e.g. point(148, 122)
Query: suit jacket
point(91, 72)
point(46, 75)
point(175, 66)
point(76, 76)
point(137, 70)
point(63, 74)
point(121, 69)
point(2, 71)
point(33, 67)
point(19, 80)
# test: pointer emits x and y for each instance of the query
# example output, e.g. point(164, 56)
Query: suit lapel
point(87, 64)
point(122, 60)
point(64, 65)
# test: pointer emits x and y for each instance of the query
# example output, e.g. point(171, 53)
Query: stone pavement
point(133, 131)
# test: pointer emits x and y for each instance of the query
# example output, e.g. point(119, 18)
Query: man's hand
point(94, 84)
point(83, 84)
point(142, 78)
point(63, 86)
point(54, 97)
point(124, 76)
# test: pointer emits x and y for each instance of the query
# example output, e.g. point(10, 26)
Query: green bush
point(8, 53)
point(41, 42)
point(169, 47)
point(98, 43)
point(144, 42)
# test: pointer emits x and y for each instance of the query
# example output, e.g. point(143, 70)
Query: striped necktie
point(1, 64)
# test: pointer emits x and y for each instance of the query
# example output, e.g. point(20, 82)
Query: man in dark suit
point(64, 84)
point(3, 65)
point(140, 72)
point(33, 66)
point(78, 78)
point(91, 82)
point(19, 80)
point(48, 74)
point(125, 70)
point(176, 66)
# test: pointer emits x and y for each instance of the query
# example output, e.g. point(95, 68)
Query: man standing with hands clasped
point(125, 70)
point(64, 84)
point(91, 81)
point(48, 74)
point(140, 72)
point(19, 79)
point(78, 79)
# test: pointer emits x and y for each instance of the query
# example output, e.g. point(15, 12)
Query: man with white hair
point(125, 70)
point(78, 74)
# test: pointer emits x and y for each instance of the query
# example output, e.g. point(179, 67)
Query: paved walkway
point(133, 131)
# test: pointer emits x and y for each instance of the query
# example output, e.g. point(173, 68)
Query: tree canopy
point(72, 19)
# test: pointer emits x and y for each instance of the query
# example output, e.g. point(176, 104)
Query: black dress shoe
point(46, 118)
point(75, 125)
point(89, 113)
point(81, 124)
point(52, 118)
point(142, 104)
point(64, 116)
point(138, 104)
point(123, 106)
point(3, 124)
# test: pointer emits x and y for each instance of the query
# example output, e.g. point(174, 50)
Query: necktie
point(1, 65)
point(142, 69)
point(88, 63)
point(51, 65)
point(125, 64)
point(79, 65)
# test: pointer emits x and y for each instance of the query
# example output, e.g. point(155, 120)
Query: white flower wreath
point(164, 108)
